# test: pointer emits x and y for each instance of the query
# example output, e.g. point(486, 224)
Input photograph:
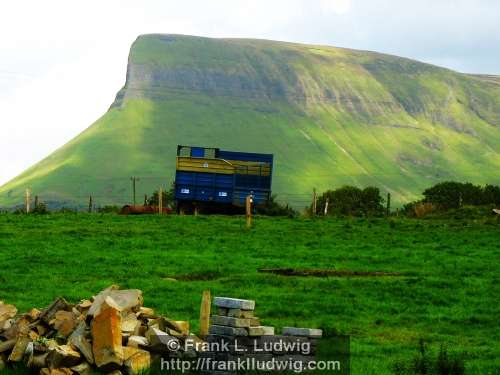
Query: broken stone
point(158, 323)
point(21, 327)
point(34, 314)
point(130, 323)
point(64, 322)
point(63, 356)
point(6, 324)
point(305, 332)
point(41, 329)
point(19, 349)
point(180, 326)
point(76, 312)
point(78, 340)
point(55, 371)
point(230, 322)
point(82, 369)
point(38, 360)
point(161, 341)
point(234, 303)
point(5, 346)
point(125, 299)
point(141, 331)
point(107, 336)
point(261, 331)
point(145, 313)
point(129, 351)
point(33, 335)
point(43, 344)
point(6, 312)
point(137, 341)
point(138, 362)
point(49, 314)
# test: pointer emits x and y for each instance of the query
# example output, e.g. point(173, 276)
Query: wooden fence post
point(160, 201)
point(314, 202)
point(27, 198)
point(145, 199)
point(90, 204)
point(388, 210)
point(36, 202)
point(206, 302)
point(326, 206)
point(248, 209)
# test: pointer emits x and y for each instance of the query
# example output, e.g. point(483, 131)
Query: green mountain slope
point(331, 116)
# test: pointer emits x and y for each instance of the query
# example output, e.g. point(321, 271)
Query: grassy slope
point(448, 295)
point(331, 116)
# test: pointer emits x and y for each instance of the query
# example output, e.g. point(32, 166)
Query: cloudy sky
point(62, 62)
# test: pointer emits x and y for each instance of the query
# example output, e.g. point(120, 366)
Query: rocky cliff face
point(331, 116)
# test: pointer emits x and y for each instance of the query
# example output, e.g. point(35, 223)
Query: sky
point(62, 62)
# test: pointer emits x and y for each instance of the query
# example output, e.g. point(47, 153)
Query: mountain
point(331, 116)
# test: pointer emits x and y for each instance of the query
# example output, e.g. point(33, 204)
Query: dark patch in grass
point(325, 272)
point(205, 276)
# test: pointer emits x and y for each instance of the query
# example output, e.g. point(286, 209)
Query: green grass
point(448, 293)
point(331, 116)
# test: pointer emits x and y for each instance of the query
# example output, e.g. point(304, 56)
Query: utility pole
point(134, 180)
point(388, 211)
point(90, 204)
point(326, 206)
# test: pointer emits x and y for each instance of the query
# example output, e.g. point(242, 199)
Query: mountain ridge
point(331, 115)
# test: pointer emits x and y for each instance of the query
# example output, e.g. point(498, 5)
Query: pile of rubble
point(113, 332)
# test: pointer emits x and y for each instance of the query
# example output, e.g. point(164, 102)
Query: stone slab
point(229, 321)
point(305, 332)
point(261, 331)
point(239, 313)
point(234, 303)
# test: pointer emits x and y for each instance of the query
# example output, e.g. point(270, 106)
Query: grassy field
point(447, 293)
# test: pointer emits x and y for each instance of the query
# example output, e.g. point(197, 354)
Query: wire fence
point(78, 192)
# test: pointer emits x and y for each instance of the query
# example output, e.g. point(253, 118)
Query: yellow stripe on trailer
point(189, 164)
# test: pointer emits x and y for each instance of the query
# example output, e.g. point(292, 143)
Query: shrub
point(450, 194)
point(352, 201)
point(424, 363)
point(168, 198)
point(274, 208)
point(41, 209)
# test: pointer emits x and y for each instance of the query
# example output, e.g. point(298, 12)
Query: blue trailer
point(213, 177)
